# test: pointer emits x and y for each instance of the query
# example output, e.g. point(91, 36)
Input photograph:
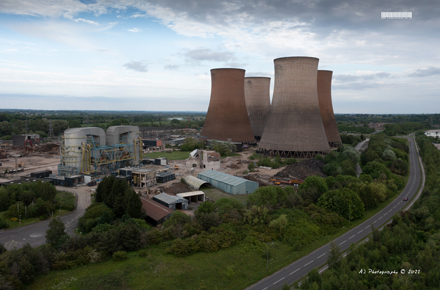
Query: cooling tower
point(227, 118)
point(326, 107)
point(294, 127)
point(257, 96)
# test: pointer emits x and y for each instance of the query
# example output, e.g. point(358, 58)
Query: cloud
point(359, 86)
point(199, 55)
point(353, 78)
point(85, 21)
point(137, 66)
point(49, 8)
point(427, 72)
point(134, 30)
point(171, 66)
point(259, 74)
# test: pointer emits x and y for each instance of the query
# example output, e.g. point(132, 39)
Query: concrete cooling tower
point(227, 118)
point(257, 96)
point(294, 127)
point(326, 107)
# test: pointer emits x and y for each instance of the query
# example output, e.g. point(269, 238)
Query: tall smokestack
point(257, 96)
point(326, 107)
point(227, 118)
point(294, 127)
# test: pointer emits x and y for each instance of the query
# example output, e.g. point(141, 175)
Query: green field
point(175, 155)
point(65, 199)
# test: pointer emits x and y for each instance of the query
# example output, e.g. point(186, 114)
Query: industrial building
point(227, 118)
point(91, 150)
point(229, 183)
point(326, 108)
point(151, 143)
point(171, 201)
point(257, 96)
point(294, 127)
point(192, 196)
point(194, 182)
point(204, 159)
point(41, 174)
point(156, 212)
point(163, 177)
point(21, 139)
point(433, 133)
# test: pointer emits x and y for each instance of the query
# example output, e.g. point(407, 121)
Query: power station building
point(326, 108)
point(90, 150)
point(294, 127)
point(227, 118)
point(257, 96)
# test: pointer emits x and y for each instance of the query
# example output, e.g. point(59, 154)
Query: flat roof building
point(156, 212)
point(171, 201)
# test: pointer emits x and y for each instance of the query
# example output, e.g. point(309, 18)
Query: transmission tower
point(50, 129)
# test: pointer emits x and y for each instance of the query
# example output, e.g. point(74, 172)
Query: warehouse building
point(156, 212)
point(163, 177)
point(192, 196)
point(229, 183)
point(171, 201)
point(194, 182)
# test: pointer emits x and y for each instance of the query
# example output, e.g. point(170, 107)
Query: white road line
point(360, 231)
point(379, 218)
point(352, 237)
point(342, 242)
point(366, 227)
point(279, 280)
point(294, 271)
point(321, 255)
point(265, 288)
point(394, 207)
point(308, 263)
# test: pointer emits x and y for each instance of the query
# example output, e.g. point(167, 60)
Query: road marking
point(279, 280)
point(342, 242)
point(394, 207)
point(265, 288)
point(308, 263)
point(294, 271)
point(390, 210)
point(360, 231)
point(352, 237)
point(321, 255)
point(366, 227)
point(379, 218)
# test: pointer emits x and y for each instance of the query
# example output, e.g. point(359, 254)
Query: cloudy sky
point(157, 55)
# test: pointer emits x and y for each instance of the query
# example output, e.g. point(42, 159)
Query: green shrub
point(120, 256)
point(143, 253)
point(3, 224)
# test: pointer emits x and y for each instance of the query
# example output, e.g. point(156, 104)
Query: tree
point(205, 207)
point(268, 196)
point(56, 232)
point(2, 249)
point(334, 257)
point(133, 204)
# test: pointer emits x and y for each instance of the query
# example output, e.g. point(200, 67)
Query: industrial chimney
point(227, 118)
point(257, 96)
point(294, 127)
point(326, 107)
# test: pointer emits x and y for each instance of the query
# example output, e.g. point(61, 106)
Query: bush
point(143, 253)
point(3, 224)
point(120, 256)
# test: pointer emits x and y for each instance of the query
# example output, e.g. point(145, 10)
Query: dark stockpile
point(302, 170)
point(48, 148)
point(177, 188)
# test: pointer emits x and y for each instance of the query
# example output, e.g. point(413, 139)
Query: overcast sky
point(157, 55)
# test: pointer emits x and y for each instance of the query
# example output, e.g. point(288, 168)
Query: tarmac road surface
point(35, 234)
point(300, 268)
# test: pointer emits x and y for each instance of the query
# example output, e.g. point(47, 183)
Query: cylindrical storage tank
point(257, 96)
point(326, 107)
point(227, 118)
point(294, 127)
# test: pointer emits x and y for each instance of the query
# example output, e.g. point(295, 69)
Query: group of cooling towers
point(299, 123)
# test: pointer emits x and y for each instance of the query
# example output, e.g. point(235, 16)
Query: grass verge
point(175, 155)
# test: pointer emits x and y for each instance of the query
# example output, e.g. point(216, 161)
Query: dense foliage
point(408, 246)
point(190, 144)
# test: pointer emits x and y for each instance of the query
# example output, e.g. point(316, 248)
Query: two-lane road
point(35, 234)
point(300, 268)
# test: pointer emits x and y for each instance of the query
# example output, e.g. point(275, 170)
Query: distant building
point(204, 159)
point(163, 177)
point(18, 140)
point(229, 183)
point(433, 133)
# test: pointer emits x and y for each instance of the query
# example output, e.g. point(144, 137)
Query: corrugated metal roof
point(223, 177)
point(154, 209)
point(194, 182)
point(190, 193)
point(168, 199)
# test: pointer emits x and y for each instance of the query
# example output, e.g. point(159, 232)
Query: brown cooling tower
point(294, 127)
point(257, 96)
point(227, 118)
point(326, 107)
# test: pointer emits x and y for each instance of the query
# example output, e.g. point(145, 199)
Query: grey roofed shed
point(171, 201)
point(229, 183)
point(194, 182)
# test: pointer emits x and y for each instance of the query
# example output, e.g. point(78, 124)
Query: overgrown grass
point(66, 199)
point(175, 155)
